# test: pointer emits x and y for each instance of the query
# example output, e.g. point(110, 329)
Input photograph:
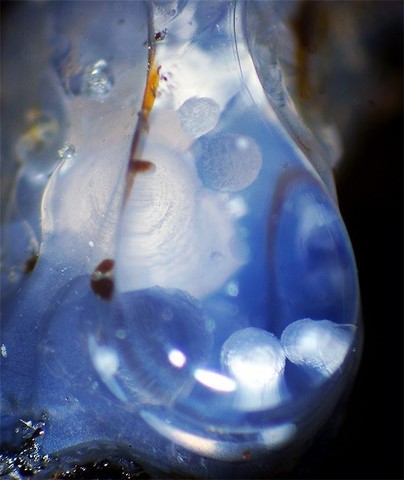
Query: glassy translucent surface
point(178, 285)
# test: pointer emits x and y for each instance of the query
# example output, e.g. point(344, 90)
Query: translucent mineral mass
point(178, 288)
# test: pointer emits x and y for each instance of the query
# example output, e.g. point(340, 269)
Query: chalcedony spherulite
point(178, 287)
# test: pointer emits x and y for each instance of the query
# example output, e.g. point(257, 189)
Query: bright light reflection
point(177, 358)
point(214, 380)
point(237, 207)
point(207, 447)
point(270, 439)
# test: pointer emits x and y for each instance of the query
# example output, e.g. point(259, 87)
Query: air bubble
point(167, 314)
point(216, 257)
point(97, 80)
point(67, 152)
point(14, 275)
point(210, 325)
point(232, 289)
point(228, 162)
point(199, 116)
point(120, 334)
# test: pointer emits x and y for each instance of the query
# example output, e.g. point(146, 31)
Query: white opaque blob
point(320, 345)
point(106, 363)
point(255, 359)
point(67, 151)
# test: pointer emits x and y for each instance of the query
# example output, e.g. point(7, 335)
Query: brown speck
point(246, 455)
point(160, 35)
point(106, 266)
point(102, 282)
point(142, 166)
point(31, 262)
point(163, 76)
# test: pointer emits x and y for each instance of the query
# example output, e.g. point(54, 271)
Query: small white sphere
point(320, 345)
point(255, 359)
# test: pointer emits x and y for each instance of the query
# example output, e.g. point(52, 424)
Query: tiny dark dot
point(246, 455)
point(160, 35)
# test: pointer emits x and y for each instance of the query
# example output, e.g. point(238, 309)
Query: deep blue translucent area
point(311, 261)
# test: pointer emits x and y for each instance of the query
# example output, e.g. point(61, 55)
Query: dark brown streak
point(102, 281)
point(141, 166)
point(142, 126)
point(31, 263)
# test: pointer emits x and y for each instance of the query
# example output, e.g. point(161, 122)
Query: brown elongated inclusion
point(136, 164)
point(102, 278)
point(102, 281)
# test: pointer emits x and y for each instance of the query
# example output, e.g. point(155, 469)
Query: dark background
point(370, 191)
point(370, 444)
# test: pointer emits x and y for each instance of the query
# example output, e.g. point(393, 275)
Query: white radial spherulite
point(319, 345)
point(171, 229)
point(255, 359)
point(228, 162)
point(199, 115)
